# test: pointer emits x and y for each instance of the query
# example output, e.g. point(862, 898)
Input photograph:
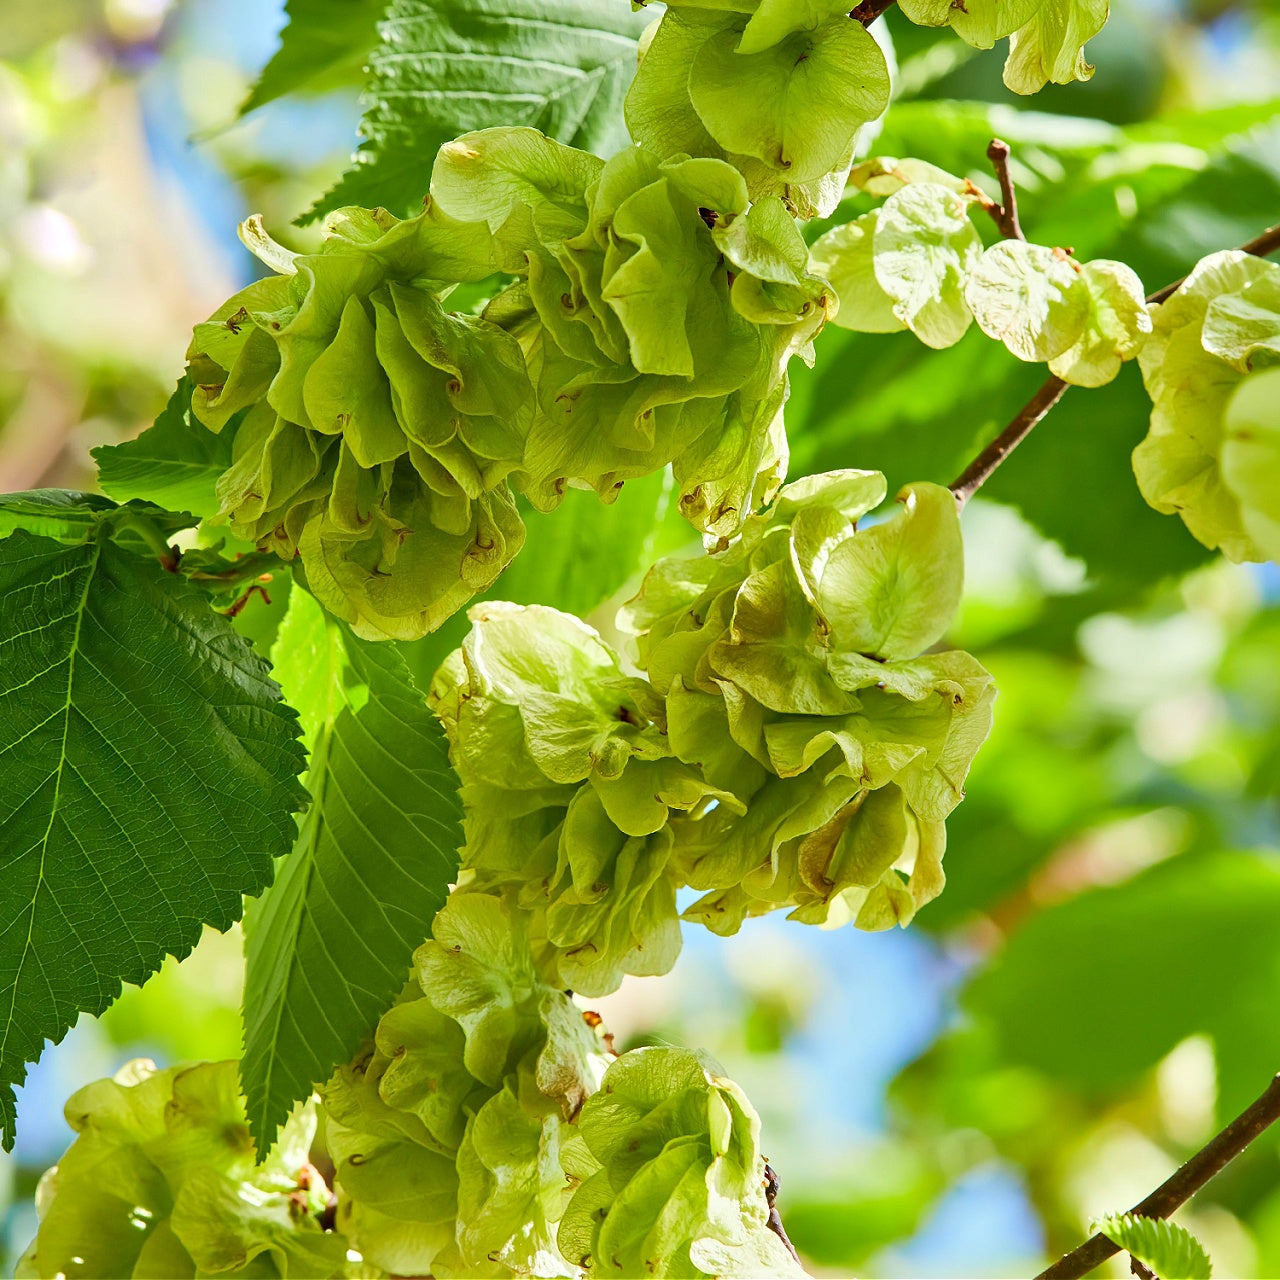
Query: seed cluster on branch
point(778, 727)
point(790, 745)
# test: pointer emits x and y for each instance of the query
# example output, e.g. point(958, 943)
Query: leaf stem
point(980, 470)
point(1006, 212)
point(1211, 1159)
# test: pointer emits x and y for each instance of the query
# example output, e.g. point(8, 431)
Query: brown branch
point(771, 1186)
point(1211, 1159)
point(1006, 212)
point(980, 470)
point(869, 10)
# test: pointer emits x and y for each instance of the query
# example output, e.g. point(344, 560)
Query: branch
point(869, 10)
point(1208, 1161)
point(1006, 212)
point(980, 470)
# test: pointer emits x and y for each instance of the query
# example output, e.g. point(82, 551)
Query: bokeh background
point(1097, 990)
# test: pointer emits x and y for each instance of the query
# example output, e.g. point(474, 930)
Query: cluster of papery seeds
point(488, 1132)
point(1212, 369)
point(788, 744)
point(647, 317)
point(791, 744)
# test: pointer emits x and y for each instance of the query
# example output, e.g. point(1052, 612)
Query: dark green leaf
point(1171, 1251)
point(176, 462)
point(1095, 990)
point(444, 67)
point(63, 514)
point(324, 45)
point(330, 942)
point(147, 779)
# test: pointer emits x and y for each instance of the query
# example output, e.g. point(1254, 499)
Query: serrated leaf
point(1171, 1251)
point(64, 514)
point(444, 67)
point(147, 779)
point(176, 462)
point(324, 45)
point(329, 945)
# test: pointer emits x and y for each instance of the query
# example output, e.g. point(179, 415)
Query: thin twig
point(1141, 1270)
point(869, 10)
point(980, 470)
point(1006, 212)
point(1211, 1159)
point(771, 1186)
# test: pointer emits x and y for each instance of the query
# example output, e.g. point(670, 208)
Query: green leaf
point(147, 778)
point(176, 462)
point(324, 45)
point(1171, 1251)
point(75, 517)
point(444, 67)
point(329, 945)
point(52, 513)
point(1180, 933)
